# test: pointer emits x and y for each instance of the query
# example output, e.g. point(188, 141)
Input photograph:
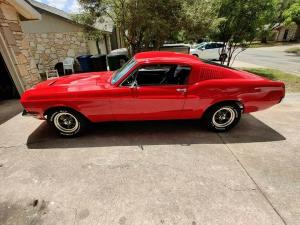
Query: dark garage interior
point(9, 104)
point(8, 89)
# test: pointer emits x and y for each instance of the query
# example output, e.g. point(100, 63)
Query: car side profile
point(152, 86)
point(208, 51)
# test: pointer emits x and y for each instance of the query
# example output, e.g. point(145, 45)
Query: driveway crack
point(248, 174)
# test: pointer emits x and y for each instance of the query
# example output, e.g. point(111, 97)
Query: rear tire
point(223, 117)
point(223, 57)
point(196, 55)
point(66, 122)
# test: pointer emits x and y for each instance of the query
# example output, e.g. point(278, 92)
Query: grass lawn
point(269, 44)
point(292, 82)
point(294, 50)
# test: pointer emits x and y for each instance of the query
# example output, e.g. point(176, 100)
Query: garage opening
point(9, 95)
point(8, 89)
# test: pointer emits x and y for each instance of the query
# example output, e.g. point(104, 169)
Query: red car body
point(96, 97)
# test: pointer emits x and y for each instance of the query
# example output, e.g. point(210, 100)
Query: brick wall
point(51, 48)
point(18, 45)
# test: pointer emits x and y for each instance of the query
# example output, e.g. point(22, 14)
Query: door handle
point(182, 90)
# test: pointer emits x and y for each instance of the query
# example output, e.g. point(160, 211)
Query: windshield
point(122, 71)
point(199, 45)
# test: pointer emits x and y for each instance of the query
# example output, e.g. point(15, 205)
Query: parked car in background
point(181, 48)
point(208, 51)
point(152, 86)
point(119, 51)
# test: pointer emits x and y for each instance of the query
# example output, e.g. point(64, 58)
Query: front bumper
point(33, 114)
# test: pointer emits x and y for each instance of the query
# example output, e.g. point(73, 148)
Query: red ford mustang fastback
point(152, 86)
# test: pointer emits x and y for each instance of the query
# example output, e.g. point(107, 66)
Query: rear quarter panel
point(254, 95)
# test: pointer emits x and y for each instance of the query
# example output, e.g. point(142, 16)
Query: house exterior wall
point(53, 38)
point(15, 49)
point(292, 30)
point(51, 48)
point(50, 23)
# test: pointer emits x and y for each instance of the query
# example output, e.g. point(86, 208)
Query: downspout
point(105, 40)
point(97, 45)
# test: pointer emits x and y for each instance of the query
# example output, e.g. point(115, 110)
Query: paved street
point(153, 172)
point(270, 57)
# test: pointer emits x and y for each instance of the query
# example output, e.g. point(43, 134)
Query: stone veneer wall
point(18, 45)
point(51, 48)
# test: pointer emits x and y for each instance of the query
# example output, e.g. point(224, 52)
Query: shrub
point(294, 50)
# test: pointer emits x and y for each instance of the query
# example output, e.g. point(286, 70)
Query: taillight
point(283, 86)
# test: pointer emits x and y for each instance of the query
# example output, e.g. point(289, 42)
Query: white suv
point(208, 51)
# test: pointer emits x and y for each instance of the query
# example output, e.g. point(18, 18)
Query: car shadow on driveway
point(184, 132)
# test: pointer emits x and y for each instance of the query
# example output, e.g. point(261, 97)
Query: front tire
point(223, 117)
point(67, 123)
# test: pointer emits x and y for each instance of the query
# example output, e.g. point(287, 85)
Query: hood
point(92, 78)
point(68, 85)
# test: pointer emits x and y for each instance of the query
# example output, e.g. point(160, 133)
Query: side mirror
point(134, 84)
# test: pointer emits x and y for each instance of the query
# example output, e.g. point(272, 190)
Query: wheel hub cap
point(223, 117)
point(66, 122)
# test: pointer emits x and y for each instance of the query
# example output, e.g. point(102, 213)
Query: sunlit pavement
point(171, 172)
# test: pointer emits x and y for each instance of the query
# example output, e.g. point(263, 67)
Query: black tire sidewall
point(223, 57)
point(81, 122)
point(211, 112)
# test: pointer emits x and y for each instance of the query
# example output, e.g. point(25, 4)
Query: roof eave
point(25, 10)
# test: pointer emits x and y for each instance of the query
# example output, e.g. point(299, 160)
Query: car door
point(161, 91)
point(152, 92)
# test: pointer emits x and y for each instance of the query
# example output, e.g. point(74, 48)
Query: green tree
point(197, 17)
point(292, 14)
point(281, 6)
point(142, 23)
point(238, 24)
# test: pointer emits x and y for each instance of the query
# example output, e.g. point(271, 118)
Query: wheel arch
point(238, 103)
point(55, 108)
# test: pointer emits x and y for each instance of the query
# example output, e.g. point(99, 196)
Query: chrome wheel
point(66, 122)
point(223, 117)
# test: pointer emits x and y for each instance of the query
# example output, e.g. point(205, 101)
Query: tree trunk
point(298, 32)
point(229, 60)
point(264, 40)
point(97, 45)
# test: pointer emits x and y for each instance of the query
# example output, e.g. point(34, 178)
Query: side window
point(154, 74)
point(209, 46)
point(215, 45)
point(181, 74)
point(162, 75)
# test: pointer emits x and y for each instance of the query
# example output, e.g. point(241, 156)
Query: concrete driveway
point(270, 57)
point(154, 172)
point(8, 109)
